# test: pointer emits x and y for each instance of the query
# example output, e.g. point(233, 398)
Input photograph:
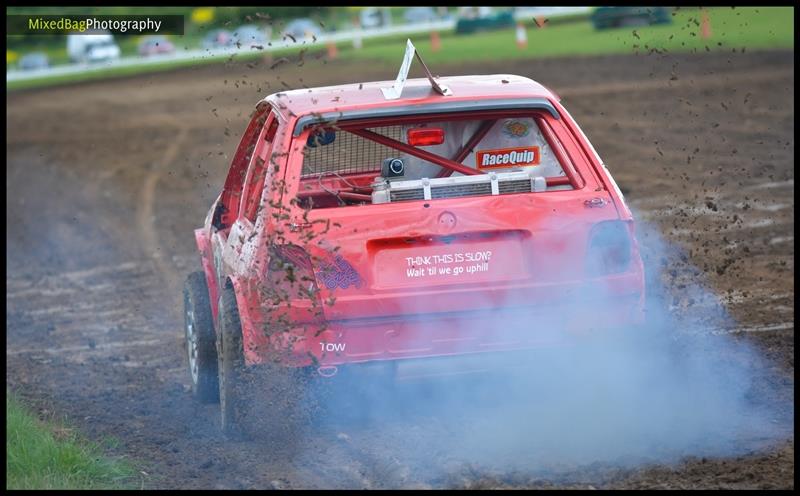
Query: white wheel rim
point(191, 344)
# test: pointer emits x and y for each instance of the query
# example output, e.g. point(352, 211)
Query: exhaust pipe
point(328, 371)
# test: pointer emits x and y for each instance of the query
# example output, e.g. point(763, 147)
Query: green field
point(748, 28)
point(752, 28)
point(45, 455)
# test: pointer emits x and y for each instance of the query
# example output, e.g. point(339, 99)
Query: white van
point(88, 48)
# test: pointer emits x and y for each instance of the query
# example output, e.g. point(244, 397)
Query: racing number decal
point(508, 157)
point(337, 347)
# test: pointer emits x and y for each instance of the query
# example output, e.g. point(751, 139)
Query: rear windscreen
point(352, 164)
point(509, 144)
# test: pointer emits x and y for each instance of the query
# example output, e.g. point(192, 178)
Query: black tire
point(199, 327)
point(261, 401)
point(230, 364)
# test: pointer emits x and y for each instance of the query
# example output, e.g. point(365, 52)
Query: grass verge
point(731, 29)
point(46, 455)
point(741, 28)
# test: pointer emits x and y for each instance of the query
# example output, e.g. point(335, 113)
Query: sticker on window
point(508, 157)
point(516, 129)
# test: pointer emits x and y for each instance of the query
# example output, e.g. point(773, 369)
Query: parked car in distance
point(473, 19)
point(218, 38)
point(89, 48)
point(620, 17)
point(302, 29)
point(155, 45)
point(250, 36)
point(34, 61)
point(415, 15)
point(375, 17)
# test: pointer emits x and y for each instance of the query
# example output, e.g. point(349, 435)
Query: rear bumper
point(471, 365)
point(454, 334)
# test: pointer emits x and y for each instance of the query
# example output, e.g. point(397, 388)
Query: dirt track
point(106, 181)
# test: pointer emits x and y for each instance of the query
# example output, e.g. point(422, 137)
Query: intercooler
point(494, 183)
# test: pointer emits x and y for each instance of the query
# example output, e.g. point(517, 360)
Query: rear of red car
point(442, 230)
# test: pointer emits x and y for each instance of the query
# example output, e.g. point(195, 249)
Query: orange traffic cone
point(522, 36)
point(436, 42)
point(705, 26)
point(333, 52)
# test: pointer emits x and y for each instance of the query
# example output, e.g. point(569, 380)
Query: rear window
point(446, 154)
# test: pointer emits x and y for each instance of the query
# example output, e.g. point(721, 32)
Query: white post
point(357, 42)
point(522, 36)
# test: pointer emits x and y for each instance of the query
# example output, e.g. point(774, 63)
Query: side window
point(258, 170)
point(228, 207)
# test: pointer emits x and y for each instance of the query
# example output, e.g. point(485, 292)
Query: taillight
point(291, 273)
point(609, 249)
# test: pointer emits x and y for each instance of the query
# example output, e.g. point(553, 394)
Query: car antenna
point(393, 92)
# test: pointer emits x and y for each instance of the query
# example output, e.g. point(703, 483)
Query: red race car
point(155, 45)
point(391, 227)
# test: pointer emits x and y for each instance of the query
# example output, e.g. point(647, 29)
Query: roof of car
point(415, 92)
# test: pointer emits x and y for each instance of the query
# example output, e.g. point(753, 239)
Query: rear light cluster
point(291, 272)
point(609, 249)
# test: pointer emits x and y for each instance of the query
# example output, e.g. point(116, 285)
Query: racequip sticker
point(508, 157)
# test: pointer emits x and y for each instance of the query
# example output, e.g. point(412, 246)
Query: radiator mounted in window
point(494, 183)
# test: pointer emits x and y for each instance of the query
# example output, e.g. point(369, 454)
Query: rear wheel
point(263, 401)
point(230, 363)
point(199, 333)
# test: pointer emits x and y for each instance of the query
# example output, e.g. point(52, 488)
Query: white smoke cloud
point(670, 390)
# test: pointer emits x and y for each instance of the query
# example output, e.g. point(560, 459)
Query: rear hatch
point(406, 214)
point(455, 255)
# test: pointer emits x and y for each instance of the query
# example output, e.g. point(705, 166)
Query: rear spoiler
point(436, 108)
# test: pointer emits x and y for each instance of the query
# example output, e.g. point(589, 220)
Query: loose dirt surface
point(107, 180)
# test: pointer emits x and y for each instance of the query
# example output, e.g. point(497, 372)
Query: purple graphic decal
point(339, 274)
